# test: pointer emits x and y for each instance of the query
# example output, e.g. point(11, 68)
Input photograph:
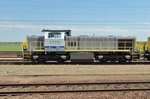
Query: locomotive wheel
point(103, 61)
point(60, 60)
point(41, 60)
point(122, 61)
point(148, 58)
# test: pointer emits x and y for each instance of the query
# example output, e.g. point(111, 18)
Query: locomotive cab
point(54, 45)
point(55, 40)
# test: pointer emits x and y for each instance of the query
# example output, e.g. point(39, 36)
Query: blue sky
point(19, 18)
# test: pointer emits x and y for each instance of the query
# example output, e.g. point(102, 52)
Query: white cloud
point(16, 25)
point(146, 23)
point(82, 30)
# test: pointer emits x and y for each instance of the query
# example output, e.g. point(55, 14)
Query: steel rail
point(77, 83)
point(75, 90)
point(20, 62)
point(70, 91)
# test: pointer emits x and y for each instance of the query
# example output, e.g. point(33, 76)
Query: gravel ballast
point(74, 69)
point(76, 73)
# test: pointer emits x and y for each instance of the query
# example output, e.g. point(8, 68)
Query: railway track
point(20, 61)
point(74, 87)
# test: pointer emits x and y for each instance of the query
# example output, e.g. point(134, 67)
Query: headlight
point(64, 57)
point(128, 56)
point(35, 56)
point(146, 54)
point(100, 57)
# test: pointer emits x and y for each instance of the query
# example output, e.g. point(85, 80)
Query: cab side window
point(54, 35)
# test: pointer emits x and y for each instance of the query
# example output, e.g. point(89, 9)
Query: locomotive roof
point(56, 30)
point(68, 32)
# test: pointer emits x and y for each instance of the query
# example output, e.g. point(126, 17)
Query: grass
point(10, 46)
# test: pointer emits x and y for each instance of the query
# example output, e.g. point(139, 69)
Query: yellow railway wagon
point(140, 46)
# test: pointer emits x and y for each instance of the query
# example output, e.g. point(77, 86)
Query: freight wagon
point(60, 46)
point(143, 47)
